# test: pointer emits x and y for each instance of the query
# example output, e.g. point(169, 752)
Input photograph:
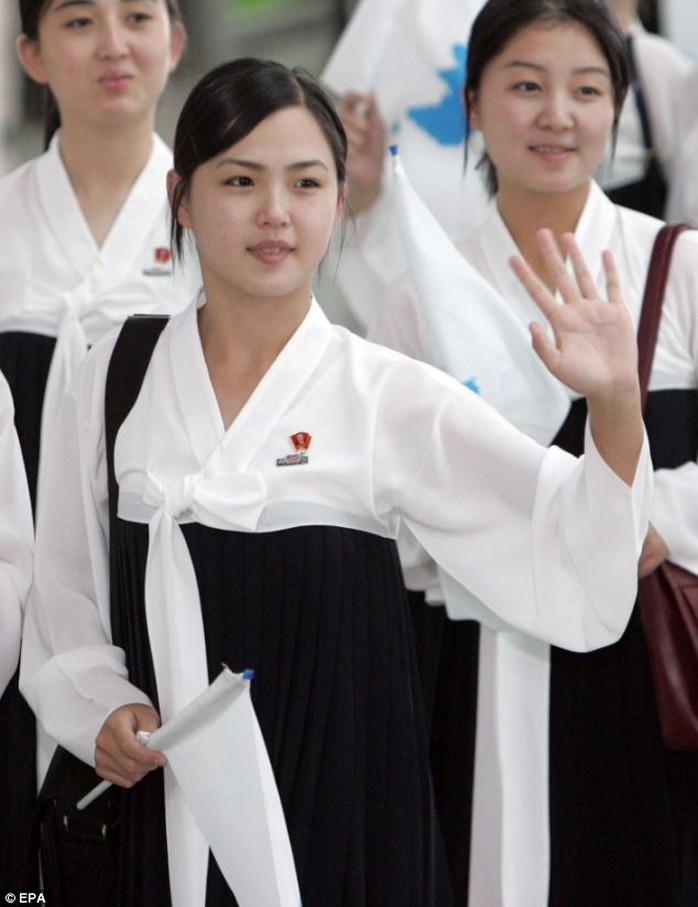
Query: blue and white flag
point(411, 55)
point(472, 334)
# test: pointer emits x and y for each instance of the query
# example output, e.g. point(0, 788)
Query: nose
point(556, 112)
point(113, 43)
point(273, 211)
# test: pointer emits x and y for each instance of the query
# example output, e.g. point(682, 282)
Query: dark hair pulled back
point(500, 20)
point(228, 103)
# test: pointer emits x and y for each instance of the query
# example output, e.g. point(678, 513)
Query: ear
point(178, 43)
point(182, 212)
point(29, 53)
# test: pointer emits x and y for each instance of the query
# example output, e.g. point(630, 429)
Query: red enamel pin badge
point(162, 263)
point(301, 442)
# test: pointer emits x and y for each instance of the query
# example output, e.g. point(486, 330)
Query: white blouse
point(339, 432)
point(392, 440)
point(57, 281)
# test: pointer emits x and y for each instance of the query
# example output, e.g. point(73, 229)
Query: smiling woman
point(89, 245)
point(262, 474)
point(577, 804)
point(259, 208)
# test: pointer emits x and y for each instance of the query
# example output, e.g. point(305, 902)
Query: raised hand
point(594, 350)
point(367, 147)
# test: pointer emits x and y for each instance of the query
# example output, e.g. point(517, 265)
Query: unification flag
point(472, 334)
point(411, 55)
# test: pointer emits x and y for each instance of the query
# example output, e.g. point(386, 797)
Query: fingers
point(357, 112)
point(613, 285)
point(356, 103)
point(119, 756)
point(584, 279)
point(547, 351)
point(535, 287)
point(574, 286)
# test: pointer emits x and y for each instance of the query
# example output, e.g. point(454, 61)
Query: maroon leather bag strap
point(652, 301)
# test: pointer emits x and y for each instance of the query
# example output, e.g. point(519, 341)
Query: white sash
point(510, 851)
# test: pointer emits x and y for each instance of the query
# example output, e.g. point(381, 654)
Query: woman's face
point(106, 61)
point(263, 211)
point(545, 108)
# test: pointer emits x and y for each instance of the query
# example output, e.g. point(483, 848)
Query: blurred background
point(297, 32)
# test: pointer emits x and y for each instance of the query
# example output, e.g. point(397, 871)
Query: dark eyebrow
point(68, 3)
point(252, 165)
point(582, 70)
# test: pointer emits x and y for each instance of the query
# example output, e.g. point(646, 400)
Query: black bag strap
point(127, 367)
point(651, 311)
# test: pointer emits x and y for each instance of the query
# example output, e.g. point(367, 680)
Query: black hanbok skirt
point(321, 615)
point(623, 810)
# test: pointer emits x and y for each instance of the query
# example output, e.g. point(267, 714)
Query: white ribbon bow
point(175, 624)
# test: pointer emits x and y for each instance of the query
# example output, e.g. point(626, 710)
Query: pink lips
point(115, 81)
point(551, 151)
point(270, 251)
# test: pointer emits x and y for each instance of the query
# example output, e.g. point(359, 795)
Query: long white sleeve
point(16, 540)
point(68, 609)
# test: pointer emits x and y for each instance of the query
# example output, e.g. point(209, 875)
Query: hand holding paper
point(119, 753)
point(216, 752)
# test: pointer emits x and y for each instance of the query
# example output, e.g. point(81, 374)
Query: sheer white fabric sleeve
point(16, 540)
point(548, 542)
point(71, 674)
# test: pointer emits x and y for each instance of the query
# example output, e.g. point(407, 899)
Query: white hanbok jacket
point(57, 281)
point(16, 540)
point(549, 542)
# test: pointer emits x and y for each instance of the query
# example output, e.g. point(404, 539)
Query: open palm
point(594, 350)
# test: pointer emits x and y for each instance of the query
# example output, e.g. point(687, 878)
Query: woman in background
point(546, 81)
point(88, 245)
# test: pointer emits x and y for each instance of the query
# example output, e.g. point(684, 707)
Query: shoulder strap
point(127, 367)
point(652, 301)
